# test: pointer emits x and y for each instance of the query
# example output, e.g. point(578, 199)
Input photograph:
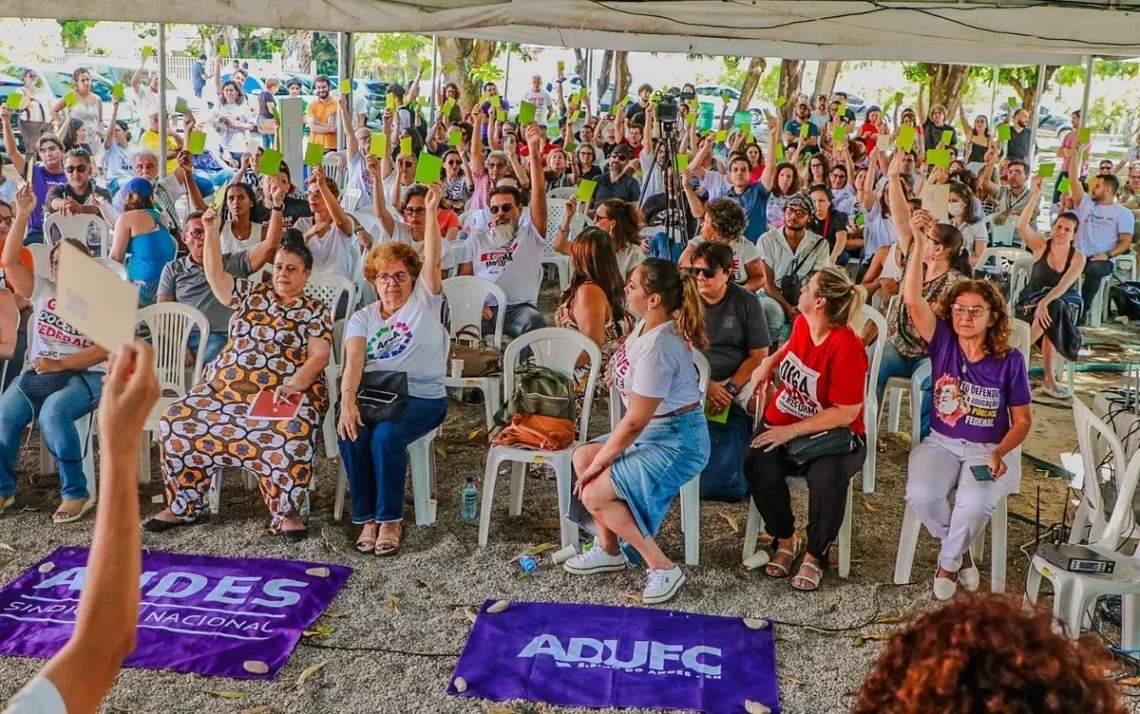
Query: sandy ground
point(440, 571)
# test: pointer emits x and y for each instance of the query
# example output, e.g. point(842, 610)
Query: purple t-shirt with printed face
point(972, 399)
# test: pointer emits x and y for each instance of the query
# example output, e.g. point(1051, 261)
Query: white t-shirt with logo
point(411, 340)
point(52, 336)
point(402, 233)
point(744, 252)
point(716, 184)
point(657, 364)
point(1101, 226)
point(358, 177)
point(541, 100)
point(514, 265)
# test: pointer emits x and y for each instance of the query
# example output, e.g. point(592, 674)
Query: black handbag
point(382, 396)
point(792, 283)
point(802, 450)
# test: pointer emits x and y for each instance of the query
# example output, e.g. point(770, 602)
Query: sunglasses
point(76, 169)
point(454, 163)
point(793, 211)
point(502, 208)
point(708, 273)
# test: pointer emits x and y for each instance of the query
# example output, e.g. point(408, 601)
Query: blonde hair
point(392, 253)
point(679, 297)
point(844, 299)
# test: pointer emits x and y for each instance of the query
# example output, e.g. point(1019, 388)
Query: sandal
point(386, 545)
point(779, 570)
point(65, 515)
point(366, 543)
point(813, 582)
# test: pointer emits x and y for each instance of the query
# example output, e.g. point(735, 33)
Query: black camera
point(667, 109)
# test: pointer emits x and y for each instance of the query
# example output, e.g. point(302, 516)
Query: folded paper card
point(721, 136)
point(1064, 186)
point(1046, 170)
point(905, 140)
point(947, 137)
point(406, 146)
point(270, 162)
point(196, 144)
point(781, 101)
point(526, 113)
point(378, 145)
point(94, 300)
point(13, 100)
point(839, 134)
point(70, 99)
point(181, 106)
point(936, 201)
point(314, 154)
point(428, 168)
point(117, 91)
point(938, 157)
point(266, 407)
point(346, 86)
point(682, 162)
point(586, 189)
point(454, 137)
point(1084, 135)
point(1005, 133)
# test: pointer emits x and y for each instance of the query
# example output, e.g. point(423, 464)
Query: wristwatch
point(731, 388)
point(278, 208)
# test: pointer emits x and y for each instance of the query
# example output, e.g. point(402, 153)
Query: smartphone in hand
point(982, 472)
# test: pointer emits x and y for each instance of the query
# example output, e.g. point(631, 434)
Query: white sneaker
point(662, 585)
point(970, 578)
point(594, 560)
point(944, 588)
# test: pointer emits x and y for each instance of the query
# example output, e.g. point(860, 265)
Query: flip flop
point(70, 517)
point(784, 569)
point(814, 581)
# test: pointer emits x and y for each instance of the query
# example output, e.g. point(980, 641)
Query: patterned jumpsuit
point(207, 429)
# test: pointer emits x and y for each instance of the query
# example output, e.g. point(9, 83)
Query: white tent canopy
point(1015, 32)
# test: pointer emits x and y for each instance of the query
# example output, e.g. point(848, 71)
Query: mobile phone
point(982, 472)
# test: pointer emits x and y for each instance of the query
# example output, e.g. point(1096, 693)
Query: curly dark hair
point(727, 218)
point(997, 334)
point(986, 653)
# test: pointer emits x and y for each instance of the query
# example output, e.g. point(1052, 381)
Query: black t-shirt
point(296, 208)
point(633, 110)
point(735, 326)
point(593, 173)
point(932, 134)
point(836, 221)
point(656, 210)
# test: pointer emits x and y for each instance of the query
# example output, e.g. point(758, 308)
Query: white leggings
point(938, 466)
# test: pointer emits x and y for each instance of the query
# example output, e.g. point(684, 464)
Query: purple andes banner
point(227, 617)
point(594, 656)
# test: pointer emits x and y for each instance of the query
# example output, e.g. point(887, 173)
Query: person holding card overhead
point(233, 121)
point(84, 104)
point(1010, 198)
point(140, 232)
point(396, 353)
point(49, 172)
point(978, 139)
point(1105, 233)
point(61, 384)
point(509, 254)
point(1071, 146)
point(280, 342)
point(328, 233)
point(979, 418)
point(935, 125)
point(411, 229)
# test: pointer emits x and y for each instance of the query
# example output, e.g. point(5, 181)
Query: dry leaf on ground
point(732, 522)
point(310, 671)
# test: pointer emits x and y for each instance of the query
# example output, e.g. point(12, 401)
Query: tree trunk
point(1027, 93)
point(947, 84)
point(581, 59)
point(622, 78)
point(466, 55)
point(604, 74)
point(825, 78)
point(791, 76)
point(756, 69)
point(298, 51)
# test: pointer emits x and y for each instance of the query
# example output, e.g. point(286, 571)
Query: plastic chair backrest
point(350, 198)
point(556, 348)
point(1019, 278)
point(466, 295)
point(555, 210)
point(560, 194)
point(78, 227)
point(328, 288)
point(870, 313)
point(371, 224)
point(170, 326)
point(1019, 336)
point(1088, 426)
point(114, 266)
point(1011, 255)
point(1003, 235)
point(41, 259)
point(333, 168)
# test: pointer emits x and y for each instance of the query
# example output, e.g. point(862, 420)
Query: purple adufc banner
point(227, 617)
point(593, 656)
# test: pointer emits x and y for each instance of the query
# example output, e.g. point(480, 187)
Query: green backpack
point(540, 390)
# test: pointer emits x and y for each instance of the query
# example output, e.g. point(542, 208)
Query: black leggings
point(827, 479)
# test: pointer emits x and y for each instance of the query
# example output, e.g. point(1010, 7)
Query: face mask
point(955, 209)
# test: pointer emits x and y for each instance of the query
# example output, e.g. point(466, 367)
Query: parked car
point(714, 93)
point(1047, 122)
point(55, 81)
point(119, 73)
point(7, 86)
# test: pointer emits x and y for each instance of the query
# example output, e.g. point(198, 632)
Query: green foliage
point(324, 52)
point(392, 55)
point(487, 72)
point(74, 32)
point(1071, 75)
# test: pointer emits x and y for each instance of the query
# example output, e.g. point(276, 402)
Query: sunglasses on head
point(708, 273)
point(502, 208)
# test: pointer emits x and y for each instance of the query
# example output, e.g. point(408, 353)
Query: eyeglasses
point(81, 169)
point(1015, 172)
point(196, 233)
point(496, 165)
point(6, 220)
point(974, 311)
point(708, 273)
point(794, 211)
point(398, 278)
point(502, 208)
point(454, 163)
point(414, 210)
point(600, 217)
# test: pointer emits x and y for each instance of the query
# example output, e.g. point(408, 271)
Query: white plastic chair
point(1000, 255)
point(334, 168)
point(349, 198)
point(1126, 262)
point(691, 491)
point(555, 210)
point(466, 295)
point(555, 348)
point(893, 392)
point(84, 228)
point(1003, 235)
point(1075, 593)
point(170, 325)
point(421, 462)
point(1092, 514)
point(1018, 279)
point(870, 395)
point(560, 194)
point(911, 526)
point(329, 288)
point(371, 224)
point(114, 266)
point(41, 259)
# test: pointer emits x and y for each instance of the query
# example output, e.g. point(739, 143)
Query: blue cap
point(140, 186)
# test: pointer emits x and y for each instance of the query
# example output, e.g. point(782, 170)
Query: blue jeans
point(661, 247)
point(214, 344)
point(895, 365)
point(520, 319)
point(377, 461)
point(723, 477)
point(57, 414)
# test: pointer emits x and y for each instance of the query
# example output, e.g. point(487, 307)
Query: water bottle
point(470, 496)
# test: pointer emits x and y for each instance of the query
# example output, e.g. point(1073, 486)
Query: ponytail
point(844, 298)
point(679, 297)
point(951, 239)
point(691, 316)
point(961, 262)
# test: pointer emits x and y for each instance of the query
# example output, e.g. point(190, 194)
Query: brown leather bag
point(479, 358)
point(534, 431)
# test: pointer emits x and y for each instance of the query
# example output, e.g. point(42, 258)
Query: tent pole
point(1079, 162)
point(1033, 113)
point(507, 75)
point(343, 72)
point(993, 96)
point(162, 100)
point(434, 74)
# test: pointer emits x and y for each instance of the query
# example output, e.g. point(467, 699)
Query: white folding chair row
point(331, 288)
point(870, 395)
point(1075, 593)
point(691, 491)
point(558, 349)
point(908, 538)
point(466, 295)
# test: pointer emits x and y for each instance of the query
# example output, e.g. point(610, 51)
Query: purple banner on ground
point(227, 617)
point(594, 656)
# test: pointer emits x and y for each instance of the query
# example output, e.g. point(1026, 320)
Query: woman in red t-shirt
point(873, 125)
point(822, 371)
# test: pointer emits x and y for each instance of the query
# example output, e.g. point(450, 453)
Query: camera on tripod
point(667, 109)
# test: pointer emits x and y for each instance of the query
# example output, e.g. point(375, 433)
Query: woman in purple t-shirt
point(979, 417)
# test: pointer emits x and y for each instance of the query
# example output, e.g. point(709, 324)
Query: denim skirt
point(649, 474)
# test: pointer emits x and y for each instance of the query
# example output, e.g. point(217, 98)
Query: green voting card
point(196, 144)
point(406, 146)
point(148, 51)
point(1005, 133)
point(501, 115)
point(454, 137)
point(906, 137)
point(378, 146)
point(780, 155)
point(70, 99)
point(860, 219)
point(938, 157)
point(561, 66)
point(449, 68)
point(314, 154)
point(1013, 102)
point(270, 162)
point(721, 418)
point(586, 189)
point(721, 136)
point(839, 134)
point(1046, 170)
point(181, 106)
point(346, 86)
point(1063, 186)
point(1084, 135)
point(570, 147)
point(898, 97)
point(117, 91)
point(223, 50)
point(428, 168)
point(682, 162)
point(526, 113)
point(691, 118)
point(447, 107)
point(742, 119)
point(804, 129)
point(14, 101)
point(947, 137)
point(781, 101)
